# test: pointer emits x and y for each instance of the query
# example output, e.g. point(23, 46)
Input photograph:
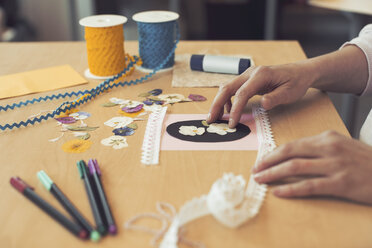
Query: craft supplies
point(29, 193)
point(219, 64)
point(82, 168)
point(104, 37)
point(67, 204)
point(152, 138)
point(86, 95)
point(157, 32)
point(95, 173)
point(35, 81)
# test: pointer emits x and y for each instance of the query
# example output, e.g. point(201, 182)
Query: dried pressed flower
point(117, 142)
point(123, 131)
point(191, 130)
point(220, 128)
point(76, 146)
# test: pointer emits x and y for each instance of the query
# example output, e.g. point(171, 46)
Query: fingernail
point(258, 177)
point(231, 122)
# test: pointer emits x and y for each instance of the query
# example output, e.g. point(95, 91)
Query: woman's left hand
point(339, 166)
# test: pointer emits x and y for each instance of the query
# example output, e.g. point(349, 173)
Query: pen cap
point(94, 167)
point(82, 168)
point(45, 179)
point(19, 184)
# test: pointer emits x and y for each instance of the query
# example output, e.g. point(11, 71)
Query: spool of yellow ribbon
point(105, 45)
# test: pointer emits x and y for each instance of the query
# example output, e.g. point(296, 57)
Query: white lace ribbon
point(151, 140)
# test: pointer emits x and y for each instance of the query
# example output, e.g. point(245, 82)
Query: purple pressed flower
point(197, 98)
point(148, 102)
point(123, 131)
point(66, 120)
point(134, 109)
point(156, 92)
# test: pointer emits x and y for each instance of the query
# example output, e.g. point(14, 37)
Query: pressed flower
point(152, 108)
point(133, 109)
point(220, 128)
point(123, 131)
point(80, 115)
point(118, 101)
point(197, 98)
point(82, 135)
point(148, 102)
point(132, 115)
point(117, 142)
point(155, 92)
point(80, 128)
point(76, 146)
point(191, 130)
point(133, 126)
point(66, 120)
point(205, 123)
point(131, 104)
point(171, 98)
point(118, 122)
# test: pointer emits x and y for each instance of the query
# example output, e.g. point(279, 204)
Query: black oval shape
point(173, 130)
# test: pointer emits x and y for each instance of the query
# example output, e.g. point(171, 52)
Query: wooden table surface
point(355, 6)
point(133, 188)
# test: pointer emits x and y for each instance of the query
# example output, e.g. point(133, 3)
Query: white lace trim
point(151, 140)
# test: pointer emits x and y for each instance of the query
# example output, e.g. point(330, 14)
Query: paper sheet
point(170, 143)
point(41, 80)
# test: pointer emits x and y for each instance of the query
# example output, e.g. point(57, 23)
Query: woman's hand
point(280, 84)
point(339, 166)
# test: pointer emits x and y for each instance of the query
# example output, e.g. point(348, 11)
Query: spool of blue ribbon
point(157, 32)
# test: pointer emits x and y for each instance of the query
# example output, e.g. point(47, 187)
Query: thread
point(104, 36)
point(157, 31)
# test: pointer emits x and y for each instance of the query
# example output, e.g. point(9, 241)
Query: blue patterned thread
point(155, 43)
point(107, 84)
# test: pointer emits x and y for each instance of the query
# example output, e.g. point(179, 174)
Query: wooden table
point(133, 188)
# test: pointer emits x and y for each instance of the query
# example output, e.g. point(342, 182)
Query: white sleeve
point(364, 42)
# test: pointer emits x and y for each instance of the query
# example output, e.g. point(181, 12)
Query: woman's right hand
point(280, 84)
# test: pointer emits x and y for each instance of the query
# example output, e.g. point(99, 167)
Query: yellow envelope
point(41, 80)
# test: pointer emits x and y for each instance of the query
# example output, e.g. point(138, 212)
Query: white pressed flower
point(117, 142)
point(118, 122)
point(118, 100)
point(130, 104)
point(220, 128)
point(171, 98)
point(80, 115)
point(191, 130)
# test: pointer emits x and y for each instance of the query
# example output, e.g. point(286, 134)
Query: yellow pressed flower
point(76, 146)
point(132, 115)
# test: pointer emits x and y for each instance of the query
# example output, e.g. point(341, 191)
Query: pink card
point(169, 143)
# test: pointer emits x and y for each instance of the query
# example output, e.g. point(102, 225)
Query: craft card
point(41, 80)
point(247, 142)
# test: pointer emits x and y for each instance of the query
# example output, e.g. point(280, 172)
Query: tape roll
point(219, 64)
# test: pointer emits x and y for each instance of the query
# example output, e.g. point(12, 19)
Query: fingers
point(228, 105)
point(303, 148)
point(275, 98)
point(258, 80)
point(224, 95)
point(311, 187)
point(294, 167)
